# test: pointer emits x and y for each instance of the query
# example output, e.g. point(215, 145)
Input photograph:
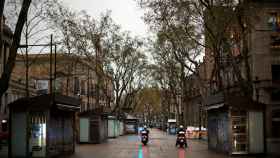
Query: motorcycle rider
point(146, 132)
point(181, 129)
point(145, 129)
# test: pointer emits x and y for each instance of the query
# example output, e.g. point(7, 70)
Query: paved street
point(160, 146)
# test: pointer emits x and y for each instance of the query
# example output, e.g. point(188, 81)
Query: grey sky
point(124, 12)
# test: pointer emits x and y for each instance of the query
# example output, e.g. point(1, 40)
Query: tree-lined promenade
point(208, 64)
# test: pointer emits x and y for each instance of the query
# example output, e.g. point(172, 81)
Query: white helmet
point(145, 127)
point(181, 126)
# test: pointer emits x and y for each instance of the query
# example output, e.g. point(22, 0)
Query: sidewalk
point(201, 146)
point(199, 149)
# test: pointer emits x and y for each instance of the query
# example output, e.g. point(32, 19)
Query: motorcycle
point(181, 139)
point(144, 137)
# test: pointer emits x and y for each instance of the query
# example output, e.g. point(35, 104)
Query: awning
point(68, 107)
point(216, 106)
point(171, 120)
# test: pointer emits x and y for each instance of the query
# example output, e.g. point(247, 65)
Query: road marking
point(145, 151)
point(132, 138)
point(181, 153)
point(140, 152)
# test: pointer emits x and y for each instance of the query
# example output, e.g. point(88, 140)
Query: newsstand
point(43, 126)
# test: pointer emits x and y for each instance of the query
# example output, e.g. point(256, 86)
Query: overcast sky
point(124, 12)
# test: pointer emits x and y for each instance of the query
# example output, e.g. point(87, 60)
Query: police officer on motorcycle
point(145, 129)
point(145, 135)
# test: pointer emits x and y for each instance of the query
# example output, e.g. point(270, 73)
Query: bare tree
point(103, 45)
point(190, 29)
point(126, 61)
point(35, 31)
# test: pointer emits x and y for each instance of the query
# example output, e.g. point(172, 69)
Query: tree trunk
point(6, 75)
point(2, 3)
point(27, 61)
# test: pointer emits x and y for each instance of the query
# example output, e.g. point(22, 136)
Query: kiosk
point(43, 126)
point(131, 125)
point(93, 127)
point(112, 127)
point(171, 124)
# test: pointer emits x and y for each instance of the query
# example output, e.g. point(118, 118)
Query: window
point(274, 21)
point(274, 24)
point(76, 86)
point(91, 90)
point(58, 85)
point(276, 124)
point(275, 70)
point(239, 131)
point(275, 94)
point(83, 88)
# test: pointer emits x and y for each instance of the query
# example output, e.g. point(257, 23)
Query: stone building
point(194, 111)
point(238, 124)
point(265, 46)
point(72, 76)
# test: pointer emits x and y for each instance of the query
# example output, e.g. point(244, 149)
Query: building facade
point(72, 76)
point(248, 124)
point(266, 70)
point(194, 110)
